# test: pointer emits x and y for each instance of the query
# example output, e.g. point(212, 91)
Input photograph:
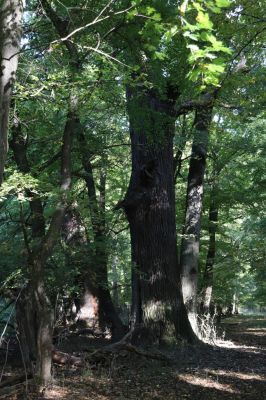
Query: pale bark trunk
point(208, 273)
point(191, 232)
point(10, 35)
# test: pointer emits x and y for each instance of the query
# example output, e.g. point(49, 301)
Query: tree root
point(102, 354)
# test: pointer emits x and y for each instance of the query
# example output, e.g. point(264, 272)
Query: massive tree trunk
point(191, 232)
point(10, 35)
point(208, 272)
point(149, 205)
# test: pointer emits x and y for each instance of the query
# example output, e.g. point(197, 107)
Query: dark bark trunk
point(208, 273)
point(27, 327)
point(191, 232)
point(10, 34)
point(150, 209)
point(99, 285)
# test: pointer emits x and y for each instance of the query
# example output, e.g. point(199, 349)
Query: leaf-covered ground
point(233, 369)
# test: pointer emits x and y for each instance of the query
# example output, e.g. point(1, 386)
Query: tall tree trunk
point(208, 273)
point(191, 232)
point(97, 211)
point(75, 237)
point(26, 313)
point(43, 243)
point(10, 35)
point(115, 280)
point(150, 209)
point(99, 284)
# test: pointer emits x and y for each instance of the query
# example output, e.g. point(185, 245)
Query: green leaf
point(198, 6)
point(223, 3)
point(204, 21)
point(191, 36)
point(215, 68)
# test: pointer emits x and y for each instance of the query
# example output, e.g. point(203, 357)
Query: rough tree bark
point(191, 233)
point(149, 205)
point(10, 35)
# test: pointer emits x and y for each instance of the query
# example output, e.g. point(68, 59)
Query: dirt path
point(235, 369)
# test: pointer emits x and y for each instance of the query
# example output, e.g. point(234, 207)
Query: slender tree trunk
point(26, 313)
point(115, 280)
point(208, 273)
point(191, 232)
point(107, 309)
point(97, 212)
point(43, 243)
point(150, 208)
point(10, 35)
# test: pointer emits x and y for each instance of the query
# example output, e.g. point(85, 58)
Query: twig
point(10, 315)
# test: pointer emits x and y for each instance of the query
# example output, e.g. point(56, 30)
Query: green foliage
point(208, 54)
point(190, 49)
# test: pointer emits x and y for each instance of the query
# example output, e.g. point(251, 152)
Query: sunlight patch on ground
point(255, 332)
point(56, 392)
point(206, 383)
point(231, 345)
point(232, 374)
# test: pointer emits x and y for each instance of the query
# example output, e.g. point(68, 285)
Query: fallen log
point(61, 358)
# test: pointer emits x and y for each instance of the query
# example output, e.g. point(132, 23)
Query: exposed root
point(114, 349)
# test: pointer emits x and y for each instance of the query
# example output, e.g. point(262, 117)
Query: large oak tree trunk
point(191, 233)
point(150, 208)
point(10, 35)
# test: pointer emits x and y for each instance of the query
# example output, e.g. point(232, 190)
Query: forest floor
point(233, 368)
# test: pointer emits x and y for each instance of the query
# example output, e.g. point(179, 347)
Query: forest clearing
point(132, 199)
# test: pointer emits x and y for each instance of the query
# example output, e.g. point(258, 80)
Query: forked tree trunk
point(150, 209)
point(191, 233)
point(10, 35)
